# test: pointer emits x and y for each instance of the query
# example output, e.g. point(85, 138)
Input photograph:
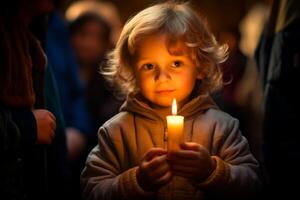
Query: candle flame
point(174, 107)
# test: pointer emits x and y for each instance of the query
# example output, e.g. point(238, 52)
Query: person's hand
point(193, 161)
point(76, 143)
point(154, 170)
point(46, 125)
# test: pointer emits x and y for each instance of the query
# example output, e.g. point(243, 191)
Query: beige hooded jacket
point(110, 171)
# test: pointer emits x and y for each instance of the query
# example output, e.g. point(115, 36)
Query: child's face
point(162, 76)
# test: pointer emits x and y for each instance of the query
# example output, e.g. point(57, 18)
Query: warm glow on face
point(162, 76)
point(174, 107)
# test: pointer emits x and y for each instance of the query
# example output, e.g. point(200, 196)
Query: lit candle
point(175, 128)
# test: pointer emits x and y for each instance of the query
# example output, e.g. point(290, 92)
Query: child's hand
point(193, 161)
point(154, 170)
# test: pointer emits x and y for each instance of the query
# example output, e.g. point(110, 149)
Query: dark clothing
point(15, 127)
point(28, 171)
point(278, 58)
point(233, 70)
point(71, 90)
point(101, 103)
point(58, 166)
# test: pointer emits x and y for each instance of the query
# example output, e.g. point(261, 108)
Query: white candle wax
point(175, 129)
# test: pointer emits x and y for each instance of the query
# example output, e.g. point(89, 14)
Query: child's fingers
point(156, 162)
point(183, 154)
point(167, 177)
point(155, 172)
point(191, 146)
point(154, 152)
point(160, 170)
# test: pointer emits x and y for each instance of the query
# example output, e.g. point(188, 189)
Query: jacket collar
point(136, 104)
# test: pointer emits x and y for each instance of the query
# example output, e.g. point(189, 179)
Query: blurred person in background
point(32, 138)
point(103, 8)
point(249, 91)
point(65, 67)
point(278, 56)
point(71, 90)
point(90, 37)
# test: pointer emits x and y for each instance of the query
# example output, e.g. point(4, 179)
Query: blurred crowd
point(52, 106)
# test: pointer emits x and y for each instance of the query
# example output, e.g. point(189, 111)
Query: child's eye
point(148, 66)
point(177, 63)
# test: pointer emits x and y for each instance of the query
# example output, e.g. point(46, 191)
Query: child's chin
point(164, 102)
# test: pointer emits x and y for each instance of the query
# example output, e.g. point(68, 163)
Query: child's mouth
point(164, 92)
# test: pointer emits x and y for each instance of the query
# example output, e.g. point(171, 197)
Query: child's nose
point(162, 75)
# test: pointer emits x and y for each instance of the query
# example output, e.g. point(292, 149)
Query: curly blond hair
point(180, 22)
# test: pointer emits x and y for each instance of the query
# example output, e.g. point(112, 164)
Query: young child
point(166, 52)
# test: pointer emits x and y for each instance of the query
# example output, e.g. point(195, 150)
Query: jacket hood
point(136, 104)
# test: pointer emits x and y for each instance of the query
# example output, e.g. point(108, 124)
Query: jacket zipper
point(165, 137)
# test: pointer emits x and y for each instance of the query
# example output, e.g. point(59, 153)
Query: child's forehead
point(175, 44)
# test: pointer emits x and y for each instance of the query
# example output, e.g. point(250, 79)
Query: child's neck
point(161, 110)
point(164, 111)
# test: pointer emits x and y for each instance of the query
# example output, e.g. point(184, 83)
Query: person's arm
point(21, 127)
point(236, 172)
point(103, 178)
